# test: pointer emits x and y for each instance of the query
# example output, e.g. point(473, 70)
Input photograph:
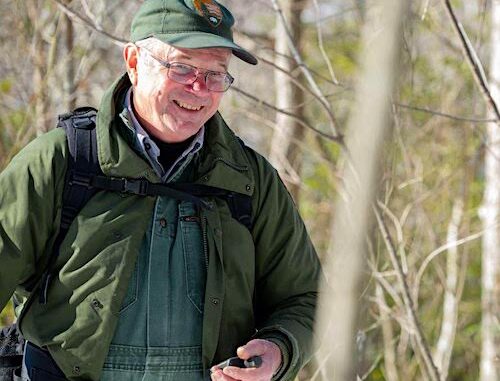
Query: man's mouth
point(188, 106)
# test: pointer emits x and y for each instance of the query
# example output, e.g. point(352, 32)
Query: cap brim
point(198, 40)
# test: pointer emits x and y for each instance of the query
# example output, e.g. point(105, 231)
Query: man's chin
point(179, 133)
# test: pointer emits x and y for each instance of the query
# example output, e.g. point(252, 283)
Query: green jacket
point(261, 283)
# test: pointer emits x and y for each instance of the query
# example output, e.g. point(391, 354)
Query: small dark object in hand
point(252, 362)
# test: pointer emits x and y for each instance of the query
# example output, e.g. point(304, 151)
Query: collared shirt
point(149, 148)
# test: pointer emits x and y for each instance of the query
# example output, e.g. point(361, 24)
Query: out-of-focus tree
point(490, 214)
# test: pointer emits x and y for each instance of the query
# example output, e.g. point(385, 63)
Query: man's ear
point(131, 57)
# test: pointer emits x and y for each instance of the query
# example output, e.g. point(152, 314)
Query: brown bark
point(69, 65)
point(284, 154)
point(39, 69)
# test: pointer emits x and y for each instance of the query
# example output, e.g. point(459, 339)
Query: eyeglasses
point(186, 74)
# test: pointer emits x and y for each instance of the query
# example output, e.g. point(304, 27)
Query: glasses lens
point(218, 81)
point(187, 74)
point(181, 73)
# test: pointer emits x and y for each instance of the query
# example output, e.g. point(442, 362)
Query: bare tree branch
point(474, 62)
point(444, 115)
point(326, 107)
point(391, 369)
point(300, 61)
point(423, 347)
point(326, 59)
point(435, 253)
point(337, 139)
point(82, 19)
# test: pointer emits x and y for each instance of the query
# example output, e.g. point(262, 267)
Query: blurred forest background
point(294, 108)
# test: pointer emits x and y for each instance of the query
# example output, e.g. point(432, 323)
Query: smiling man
point(161, 286)
point(186, 97)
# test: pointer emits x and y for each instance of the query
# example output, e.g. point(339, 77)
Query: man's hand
point(271, 360)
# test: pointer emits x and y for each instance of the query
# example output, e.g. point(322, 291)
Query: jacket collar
point(223, 161)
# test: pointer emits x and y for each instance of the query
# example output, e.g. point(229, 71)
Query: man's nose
point(200, 84)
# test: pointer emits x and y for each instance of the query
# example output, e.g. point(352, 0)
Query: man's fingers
point(253, 348)
point(218, 375)
point(271, 359)
point(246, 374)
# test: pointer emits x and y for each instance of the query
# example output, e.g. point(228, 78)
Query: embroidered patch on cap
point(210, 10)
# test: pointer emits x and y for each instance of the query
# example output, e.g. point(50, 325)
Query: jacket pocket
point(194, 257)
point(132, 290)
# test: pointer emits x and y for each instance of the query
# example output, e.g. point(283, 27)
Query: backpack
point(83, 180)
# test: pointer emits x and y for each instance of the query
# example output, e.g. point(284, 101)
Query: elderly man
point(157, 288)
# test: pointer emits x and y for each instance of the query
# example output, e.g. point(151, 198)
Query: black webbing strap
point(239, 204)
point(84, 179)
point(143, 187)
point(83, 165)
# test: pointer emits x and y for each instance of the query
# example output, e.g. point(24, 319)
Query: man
point(153, 288)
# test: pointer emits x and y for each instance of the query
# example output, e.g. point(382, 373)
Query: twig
point(399, 231)
point(300, 62)
point(473, 61)
point(440, 250)
point(391, 369)
point(430, 367)
point(116, 40)
point(320, 369)
point(312, 71)
point(90, 14)
point(326, 106)
point(371, 369)
point(444, 115)
point(321, 45)
point(424, 12)
point(388, 288)
point(337, 139)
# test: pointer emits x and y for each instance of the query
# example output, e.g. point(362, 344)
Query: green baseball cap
point(188, 24)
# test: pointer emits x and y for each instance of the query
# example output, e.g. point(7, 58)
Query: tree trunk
point(444, 347)
point(368, 126)
point(490, 216)
point(284, 153)
point(39, 70)
point(69, 66)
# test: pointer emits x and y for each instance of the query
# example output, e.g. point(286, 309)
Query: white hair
point(155, 46)
point(152, 44)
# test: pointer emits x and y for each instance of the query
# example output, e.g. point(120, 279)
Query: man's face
point(169, 110)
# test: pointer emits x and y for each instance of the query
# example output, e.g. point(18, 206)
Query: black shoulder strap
point(84, 179)
point(239, 204)
point(83, 165)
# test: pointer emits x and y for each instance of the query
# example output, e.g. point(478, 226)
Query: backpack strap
point(239, 204)
point(84, 178)
point(83, 165)
point(142, 187)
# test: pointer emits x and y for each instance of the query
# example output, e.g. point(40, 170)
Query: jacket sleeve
point(287, 272)
point(28, 209)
